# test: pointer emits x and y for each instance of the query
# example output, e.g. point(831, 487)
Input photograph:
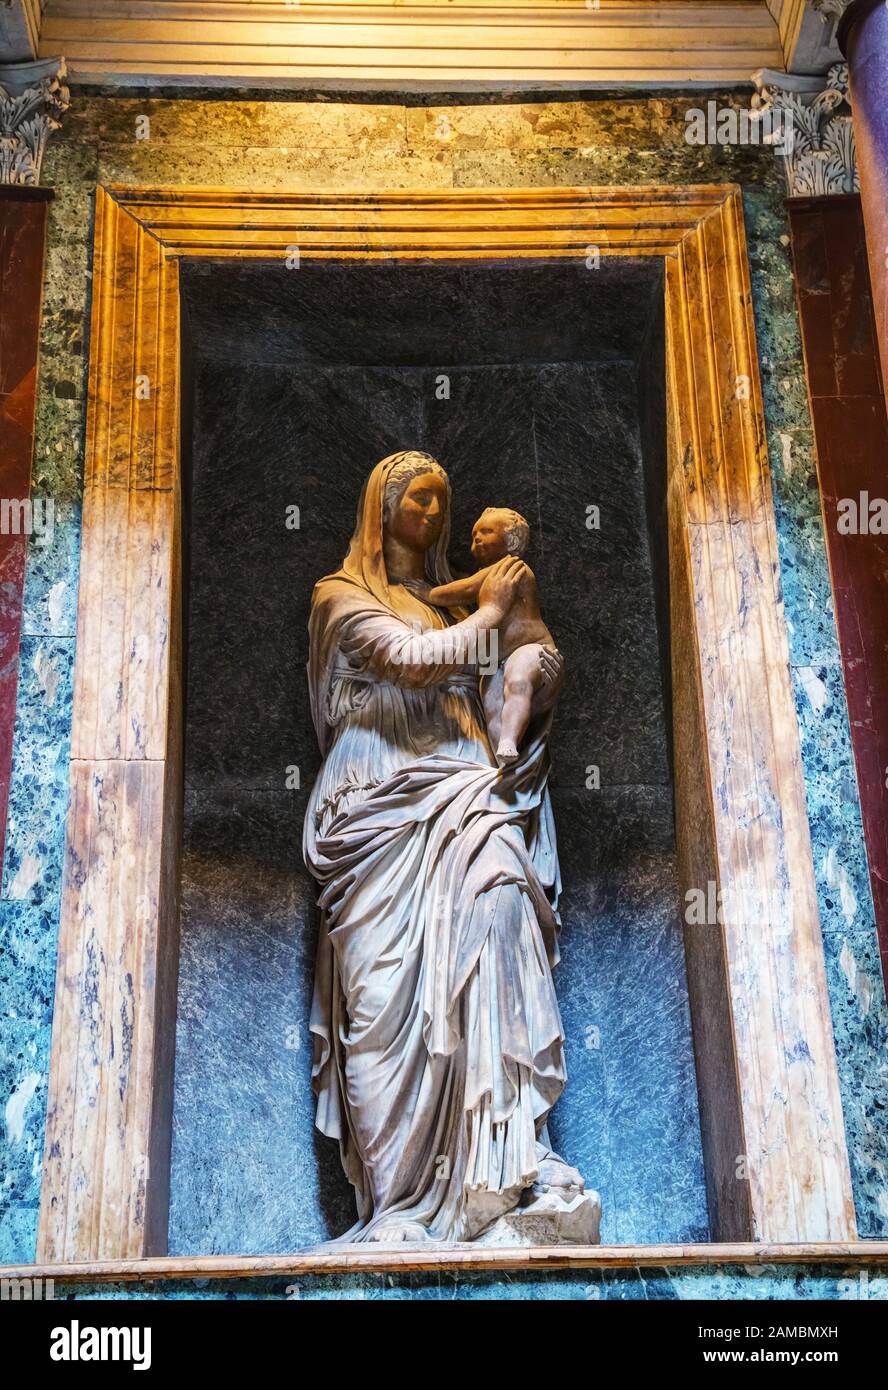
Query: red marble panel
point(851, 436)
point(22, 236)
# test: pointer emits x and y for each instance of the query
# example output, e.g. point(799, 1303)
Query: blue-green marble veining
point(29, 926)
point(50, 599)
point(27, 969)
point(762, 1284)
point(35, 823)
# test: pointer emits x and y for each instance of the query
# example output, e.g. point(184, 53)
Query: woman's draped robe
point(438, 1046)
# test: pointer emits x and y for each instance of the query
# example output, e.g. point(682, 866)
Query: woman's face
point(419, 517)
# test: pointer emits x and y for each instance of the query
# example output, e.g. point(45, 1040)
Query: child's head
point(498, 532)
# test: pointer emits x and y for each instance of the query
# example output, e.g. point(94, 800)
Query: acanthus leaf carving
point(817, 143)
point(33, 100)
point(829, 10)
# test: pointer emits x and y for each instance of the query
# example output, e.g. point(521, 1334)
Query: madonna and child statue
point(438, 1043)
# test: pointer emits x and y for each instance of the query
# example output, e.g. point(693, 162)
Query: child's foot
point(506, 752)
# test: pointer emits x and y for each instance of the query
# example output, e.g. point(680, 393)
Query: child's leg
point(522, 677)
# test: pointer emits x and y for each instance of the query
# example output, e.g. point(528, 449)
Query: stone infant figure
point(509, 695)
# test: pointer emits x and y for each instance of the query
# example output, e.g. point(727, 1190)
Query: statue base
point(544, 1215)
point(547, 1218)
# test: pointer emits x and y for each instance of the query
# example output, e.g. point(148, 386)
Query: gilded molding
point(106, 1174)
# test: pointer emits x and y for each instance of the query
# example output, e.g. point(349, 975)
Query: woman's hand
point(501, 585)
point(551, 666)
point(552, 671)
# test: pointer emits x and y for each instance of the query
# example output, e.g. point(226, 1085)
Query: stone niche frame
point(773, 1133)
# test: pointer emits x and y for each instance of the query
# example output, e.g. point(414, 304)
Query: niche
point(539, 386)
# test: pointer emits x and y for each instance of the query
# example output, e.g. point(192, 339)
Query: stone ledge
point(356, 1259)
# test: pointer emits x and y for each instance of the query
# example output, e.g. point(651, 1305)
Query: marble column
point(863, 38)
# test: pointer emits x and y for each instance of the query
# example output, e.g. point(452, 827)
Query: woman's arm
point(423, 658)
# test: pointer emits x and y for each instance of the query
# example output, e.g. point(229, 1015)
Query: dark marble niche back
point(300, 381)
point(298, 391)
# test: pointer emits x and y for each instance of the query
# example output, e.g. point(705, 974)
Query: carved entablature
point(33, 99)
point(815, 134)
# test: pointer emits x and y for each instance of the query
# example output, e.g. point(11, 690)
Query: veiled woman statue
point(438, 1045)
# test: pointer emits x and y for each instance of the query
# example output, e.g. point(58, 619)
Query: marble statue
point(438, 1044)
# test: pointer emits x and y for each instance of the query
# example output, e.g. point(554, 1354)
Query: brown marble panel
point(851, 436)
point(22, 236)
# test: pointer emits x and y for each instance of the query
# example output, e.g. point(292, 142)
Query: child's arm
point(460, 592)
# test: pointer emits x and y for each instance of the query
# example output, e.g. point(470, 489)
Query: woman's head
point(416, 500)
point(405, 503)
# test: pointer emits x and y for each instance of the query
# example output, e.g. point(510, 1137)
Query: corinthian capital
point(829, 10)
point(33, 99)
point(816, 136)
